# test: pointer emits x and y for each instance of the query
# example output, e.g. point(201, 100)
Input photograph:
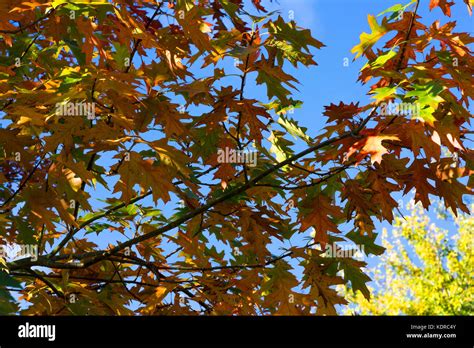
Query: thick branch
point(94, 257)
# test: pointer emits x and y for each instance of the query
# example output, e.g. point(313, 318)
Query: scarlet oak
point(131, 208)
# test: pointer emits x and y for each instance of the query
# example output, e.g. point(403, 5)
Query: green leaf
point(382, 59)
point(354, 274)
point(152, 212)
point(445, 56)
point(230, 8)
point(121, 54)
point(427, 94)
point(396, 10)
point(281, 108)
point(76, 50)
point(274, 86)
point(291, 42)
point(7, 304)
point(428, 97)
point(280, 146)
point(289, 32)
point(383, 93)
point(368, 40)
point(8, 280)
point(26, 233)
point(293, 128)
point(367, 241)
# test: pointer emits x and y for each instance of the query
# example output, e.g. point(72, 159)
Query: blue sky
point(338, 24)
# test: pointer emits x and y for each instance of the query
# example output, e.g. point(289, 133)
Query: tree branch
point(22, 185)
point(20, 29)
point(94, 257)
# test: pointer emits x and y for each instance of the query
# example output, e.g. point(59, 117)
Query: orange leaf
point(372, 145)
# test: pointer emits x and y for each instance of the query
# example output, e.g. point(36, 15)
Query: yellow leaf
point(368, 40)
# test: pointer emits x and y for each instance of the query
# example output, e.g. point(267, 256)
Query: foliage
point(425, 271)
point(161, 79)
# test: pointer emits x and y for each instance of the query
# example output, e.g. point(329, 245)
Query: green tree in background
point(425, 270)
point(150, 163)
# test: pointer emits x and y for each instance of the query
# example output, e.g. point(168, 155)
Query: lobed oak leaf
point(371, 145)
point(320, 214)
point(368, 40)
point(444, 5)
point(342, 111)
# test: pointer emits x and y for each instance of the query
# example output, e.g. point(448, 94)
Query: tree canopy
point(426, 270)
point(115, 113)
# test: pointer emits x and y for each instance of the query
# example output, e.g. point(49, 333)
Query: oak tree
point(115, 116)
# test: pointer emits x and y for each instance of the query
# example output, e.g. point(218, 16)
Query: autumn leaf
point(445, 6)
point(321, 215)
point(166, 158)
point(369, 40)
point(370, 145)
